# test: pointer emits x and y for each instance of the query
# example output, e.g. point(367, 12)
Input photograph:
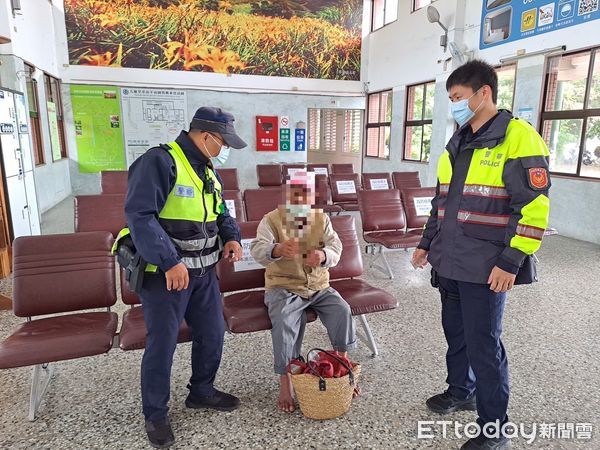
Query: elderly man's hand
point(288, 249)
point(315, 258)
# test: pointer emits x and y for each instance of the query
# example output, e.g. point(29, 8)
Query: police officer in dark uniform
point(488, 218)
point(179, 224)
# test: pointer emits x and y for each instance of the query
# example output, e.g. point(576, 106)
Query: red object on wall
point(267, 133)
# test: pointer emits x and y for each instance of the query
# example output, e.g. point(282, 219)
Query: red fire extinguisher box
point(267, 133)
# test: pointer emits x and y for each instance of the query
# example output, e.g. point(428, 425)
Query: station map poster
point(151, 117)
point(98, 132)
point(505, 21)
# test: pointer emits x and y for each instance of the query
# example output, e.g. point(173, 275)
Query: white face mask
point(298, 211)
point(221, 158)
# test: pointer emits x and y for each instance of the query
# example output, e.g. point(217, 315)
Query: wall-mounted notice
point(96, 114)
point(54, 137)
point(267, 133)
point(504, 21)
point(423, 205)
point(151, 117)
point(300, 139)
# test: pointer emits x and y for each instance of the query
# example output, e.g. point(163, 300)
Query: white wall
point(408, 52)
point(244, 106)
point(29, 32)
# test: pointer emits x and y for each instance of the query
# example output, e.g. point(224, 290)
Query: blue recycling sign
point(505, 21)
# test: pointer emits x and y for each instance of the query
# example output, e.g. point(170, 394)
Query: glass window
point(52, 86)
point(571, 115)
point(418, 4)
point(418, 122)
point(379, 124)
point(384, 12)
point(506, 86)
point(333, 130)
point(34, 115)
point(314, 130)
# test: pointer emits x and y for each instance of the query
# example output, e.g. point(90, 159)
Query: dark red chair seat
point(395, 239)
point(246, 312)
point(133, 330)
point(364, 298)
point(59, 338)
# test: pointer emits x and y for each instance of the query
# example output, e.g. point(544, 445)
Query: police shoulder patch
point(538, 178)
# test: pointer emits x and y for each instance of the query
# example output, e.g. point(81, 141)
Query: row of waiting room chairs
point(391, 220)
point(273, 175)
point(335, 192)
point(71, 276)
point(75, 273)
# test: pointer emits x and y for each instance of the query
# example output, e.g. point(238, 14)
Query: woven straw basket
point(332, 402)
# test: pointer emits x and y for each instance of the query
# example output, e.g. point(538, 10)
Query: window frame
point(339, 127)
point(514, 90)
point(52, 84)
point(416, 123)
point(583, 114)
point(378, 125)
point(414, 6)
point(31, 86)
point(373, 29)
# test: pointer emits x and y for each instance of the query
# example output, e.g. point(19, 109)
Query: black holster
point(132, 262)
point(435, 282)
point(528, 271)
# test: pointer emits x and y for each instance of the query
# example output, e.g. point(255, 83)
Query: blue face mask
point(221, 158)
point(461, 111)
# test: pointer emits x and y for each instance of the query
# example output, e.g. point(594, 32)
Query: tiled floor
point(551, 333)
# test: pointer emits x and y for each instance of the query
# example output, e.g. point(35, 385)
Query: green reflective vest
point(191, 209)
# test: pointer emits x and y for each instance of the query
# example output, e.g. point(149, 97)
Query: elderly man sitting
point(297, 245)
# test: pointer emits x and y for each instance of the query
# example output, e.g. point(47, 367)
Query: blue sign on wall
point(300, 139)
point(505, 21)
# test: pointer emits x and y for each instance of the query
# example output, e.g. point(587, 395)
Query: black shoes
point(484, 443)
point(446, 403)
point(160, 433)
point(219, 401)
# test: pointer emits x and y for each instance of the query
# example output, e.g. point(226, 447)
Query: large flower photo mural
point(306, 39)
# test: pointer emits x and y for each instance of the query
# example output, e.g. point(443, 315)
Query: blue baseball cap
point(217, 121)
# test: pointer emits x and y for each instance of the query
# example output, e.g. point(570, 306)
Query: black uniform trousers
point(476, 359)
point(200, 305)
